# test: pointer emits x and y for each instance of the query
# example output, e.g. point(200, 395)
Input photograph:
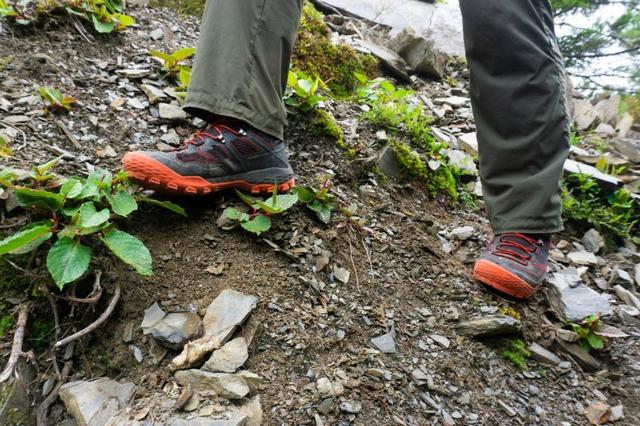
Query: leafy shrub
point(321, 201)
point(584, 200)
point(106, 15)
point(259, 221)
point(301, 91)
point(80, 213)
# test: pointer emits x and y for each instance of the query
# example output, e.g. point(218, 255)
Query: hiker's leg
point(518, 99)
point(242, 61)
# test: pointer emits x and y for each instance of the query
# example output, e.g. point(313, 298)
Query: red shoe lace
point(200, 136)
point(514, 250)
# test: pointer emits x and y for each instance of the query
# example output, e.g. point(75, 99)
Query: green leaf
point(257, 225)
point(28, 235)
point(305, 194)
point(124, 20)
point(184, 76)
point(72, 231)
point(235, 214)
point(595, 341)
point(165, 205)
point(251, 201)
point(184, 53)
point(102, 26)
point(90, 218)
point(122, 203)
point(279, 204)
point(292, 79)
point(164, 56)
point(324, 214)
point(71, 188)
point(27, 197)
point(130, 250)
point(67, 261)
point(5, 148)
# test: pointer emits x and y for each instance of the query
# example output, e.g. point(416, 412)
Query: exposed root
point(93, 298)
point(16, 349)
point(102, 318)
point(43, 408)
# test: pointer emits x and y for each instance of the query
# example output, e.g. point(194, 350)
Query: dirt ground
point(311, 325)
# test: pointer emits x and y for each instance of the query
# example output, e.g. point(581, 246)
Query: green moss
point(187, 7)
point(316, 55)
point(436, 181)
point(324, 124)
point(517, 353)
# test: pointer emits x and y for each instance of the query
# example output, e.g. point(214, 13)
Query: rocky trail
point(372, 319)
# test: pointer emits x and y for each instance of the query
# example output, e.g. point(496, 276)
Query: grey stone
point(135, 103)
point(341, 274)
point(387, 163)
point(385, 343)
point(491, 325)
point(231, 386)
point(628, 148)
point(581, 356)
point(574, 303)
point(592, 241)
point(351, 407)
point(469, 142)
point(584, 114)
point(253, 380)
point(156, 34)
point(175, 329)
point(137, 353)
point(627, 297)
point(390, 60)
point(134, 73)
point(152, 315)
point(462, 160)
point(583, 258)
point(604, 129)
point(571, 166)
point(636, 273)
point(153, 93)
point(229, 358)
point(453, 101)
point(567, 335)
point(16, 395)
point(171, 112)
point(463, 233)
point(420, 53)
point(624, 125)
point(227, 312)
point(543, 355)
point(441, 340)
point(607, 109)
point(617, 413)
point(238, 419)
point(93, 403)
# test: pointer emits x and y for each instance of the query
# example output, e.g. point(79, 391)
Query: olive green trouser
point(517, 93)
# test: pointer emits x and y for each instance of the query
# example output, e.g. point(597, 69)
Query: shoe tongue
point(516, 239)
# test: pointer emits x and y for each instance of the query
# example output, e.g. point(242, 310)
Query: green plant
point(587, 331)
point(56, 101)
point(105, 15)
point(516, 352)
point(5, 149)
point(259, 220)
point(301, 93)
point(584, 200)
point(172, 63)
point(321, 201)
point(317, 55)
point(80, 213)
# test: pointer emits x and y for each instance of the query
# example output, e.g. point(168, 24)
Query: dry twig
point(93, 298)
point(43, 408)
point(16, 349)
point(102, 318)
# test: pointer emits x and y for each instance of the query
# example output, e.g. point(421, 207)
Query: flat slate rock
point(176, 329)
point(231, 386)
point(385, 343)
point(574, 302)
point(96, 402)
point(491, 325)
point(229, 358)
point(227, 312)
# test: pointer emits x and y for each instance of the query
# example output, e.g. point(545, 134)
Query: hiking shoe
point(514, 264)
point(225, 154)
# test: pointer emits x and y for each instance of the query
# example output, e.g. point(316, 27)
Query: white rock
point(385, 343)
point(153, 93)
point(583, 258)
point(341, 274)
point(156, 34)
point(574, 303)
point(469, 142)
point(463, 233)
point(231, 386)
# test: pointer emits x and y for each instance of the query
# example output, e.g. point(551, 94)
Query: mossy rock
point(187, 7)
point(316, 55)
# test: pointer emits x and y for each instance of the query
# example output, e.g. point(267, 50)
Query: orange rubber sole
point(152, 174)
point(502, 280)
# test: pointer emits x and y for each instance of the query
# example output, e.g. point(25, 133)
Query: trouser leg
point(519, 104)
point(242, 61)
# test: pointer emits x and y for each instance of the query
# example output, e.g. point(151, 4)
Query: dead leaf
point(598, 412)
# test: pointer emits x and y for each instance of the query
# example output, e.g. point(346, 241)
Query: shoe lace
point(199, 137)
point(516, 246)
